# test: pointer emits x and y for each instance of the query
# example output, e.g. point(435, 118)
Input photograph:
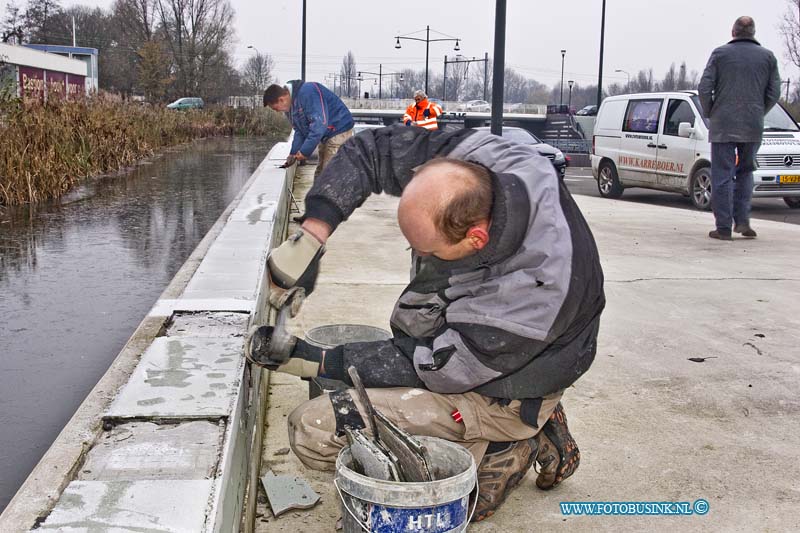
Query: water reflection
point(78, 275)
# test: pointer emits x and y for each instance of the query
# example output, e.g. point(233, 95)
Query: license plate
point(788, 179)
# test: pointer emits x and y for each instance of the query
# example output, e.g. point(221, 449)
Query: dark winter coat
point(519, 319)
point(740, 84)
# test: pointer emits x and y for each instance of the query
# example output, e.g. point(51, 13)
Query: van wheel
point(608, 182)
point(700, 189)
point(792, 201)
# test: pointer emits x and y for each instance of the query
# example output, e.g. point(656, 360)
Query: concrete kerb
point(64, 458)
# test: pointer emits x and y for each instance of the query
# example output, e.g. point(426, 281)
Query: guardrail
point(170, 438)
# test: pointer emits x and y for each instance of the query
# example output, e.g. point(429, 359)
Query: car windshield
point(776, 120)
point(520, 136)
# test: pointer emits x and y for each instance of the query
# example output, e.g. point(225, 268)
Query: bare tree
point(790, 29)
point(37, 18)
point(12, 29)
point(197, 34)
point(456, 83)
point(349, 74)
point(257, 72)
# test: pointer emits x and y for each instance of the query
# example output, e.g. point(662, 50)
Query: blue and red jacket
point(316, 115)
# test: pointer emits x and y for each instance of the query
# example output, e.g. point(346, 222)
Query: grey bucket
point(437, 506)
point(334, 335)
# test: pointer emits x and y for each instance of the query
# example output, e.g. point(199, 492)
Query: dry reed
point(45, 149)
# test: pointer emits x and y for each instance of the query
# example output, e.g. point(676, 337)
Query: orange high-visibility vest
point(416, 114)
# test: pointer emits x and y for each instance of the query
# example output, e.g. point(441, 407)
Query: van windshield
point(779, 120)
point(776, 120)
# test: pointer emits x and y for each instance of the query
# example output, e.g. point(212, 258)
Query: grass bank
point(46, 149)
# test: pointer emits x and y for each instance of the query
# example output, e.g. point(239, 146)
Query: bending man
point(501, 314)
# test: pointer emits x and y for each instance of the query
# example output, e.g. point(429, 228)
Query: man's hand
point(408, 122)
point(289, 162)
point(300, 157)
point(295, 263)
point(303, 361)
point(426, 113)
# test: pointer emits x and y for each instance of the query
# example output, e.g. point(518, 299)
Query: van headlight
point(559, 157)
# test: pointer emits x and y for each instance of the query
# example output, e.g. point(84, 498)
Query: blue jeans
point(732, 184)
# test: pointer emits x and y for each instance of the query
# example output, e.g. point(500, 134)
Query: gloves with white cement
point(294, 264)
point(303, 361)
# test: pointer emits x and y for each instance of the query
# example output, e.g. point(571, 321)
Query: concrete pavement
point(651, 424)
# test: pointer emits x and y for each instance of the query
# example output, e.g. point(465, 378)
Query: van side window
point(678, 111)
point(642, 116)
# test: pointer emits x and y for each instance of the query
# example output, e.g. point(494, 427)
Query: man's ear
point(478, 236)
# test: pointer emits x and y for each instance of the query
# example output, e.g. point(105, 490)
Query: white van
point(660, 141)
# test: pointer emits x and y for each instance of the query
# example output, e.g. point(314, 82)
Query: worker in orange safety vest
point(422, 113)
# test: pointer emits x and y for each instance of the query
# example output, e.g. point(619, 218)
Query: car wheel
point(700, 189)
point(608, 182)
point(792, 201)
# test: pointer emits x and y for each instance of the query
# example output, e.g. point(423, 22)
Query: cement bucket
point(437, 506)
point(334, 335)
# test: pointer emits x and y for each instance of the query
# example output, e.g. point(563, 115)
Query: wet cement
point(78, 275)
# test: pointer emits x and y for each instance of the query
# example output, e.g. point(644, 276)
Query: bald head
point(442, 203)
point(744, 28)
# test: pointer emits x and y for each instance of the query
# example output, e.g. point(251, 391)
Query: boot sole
point(513, 481)
point(565, 468)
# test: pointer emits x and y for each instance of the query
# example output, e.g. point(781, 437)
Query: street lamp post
point(569, 104)
point(628, 85)
point(427, 40)
point(561, 97)
point(602, 44)
point(462, 59)
point(380, 75)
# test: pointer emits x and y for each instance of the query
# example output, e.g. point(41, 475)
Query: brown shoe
point(745, 230)
point(499, 473)
point(716, 234)
point(559, 456)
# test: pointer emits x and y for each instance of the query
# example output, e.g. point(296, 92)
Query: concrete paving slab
point(207, 324)
point(182, 377)
point(651, 424)
point(166, 307)
point(127, 506)
point(143, 450)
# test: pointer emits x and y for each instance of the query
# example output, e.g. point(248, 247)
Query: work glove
point(303, 360)
point(426, 113)
point(408, 122)
point(291, 160)
point(292, 265)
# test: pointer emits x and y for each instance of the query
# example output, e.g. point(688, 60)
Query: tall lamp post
point(461, 59)
point(628, 85)
point(561, 97)
point(427, 40)
point(569, 104)
point(602, 44)
point(380, 75)
point(303, 53)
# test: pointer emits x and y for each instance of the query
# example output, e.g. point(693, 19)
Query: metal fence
point(571, 146)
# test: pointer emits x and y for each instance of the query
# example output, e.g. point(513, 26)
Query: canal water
point(78, 275)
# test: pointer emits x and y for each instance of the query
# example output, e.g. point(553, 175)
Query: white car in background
point(481, 106)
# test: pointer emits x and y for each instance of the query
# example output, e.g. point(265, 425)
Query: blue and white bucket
point(439, 506)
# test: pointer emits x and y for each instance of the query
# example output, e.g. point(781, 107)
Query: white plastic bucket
point(439, 506)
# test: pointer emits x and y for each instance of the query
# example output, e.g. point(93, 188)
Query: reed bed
point(45, 149)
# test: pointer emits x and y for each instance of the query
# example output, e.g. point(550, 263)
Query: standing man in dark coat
point(740, 84)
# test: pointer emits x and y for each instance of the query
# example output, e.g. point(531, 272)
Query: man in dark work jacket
point(501, 314)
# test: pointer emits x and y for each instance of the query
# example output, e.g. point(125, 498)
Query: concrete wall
point(165, 440)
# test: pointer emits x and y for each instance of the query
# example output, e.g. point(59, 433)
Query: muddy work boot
point(559, 456)
point(499, 473)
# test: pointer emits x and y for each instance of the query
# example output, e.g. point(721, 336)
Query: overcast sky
point(639, 34)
